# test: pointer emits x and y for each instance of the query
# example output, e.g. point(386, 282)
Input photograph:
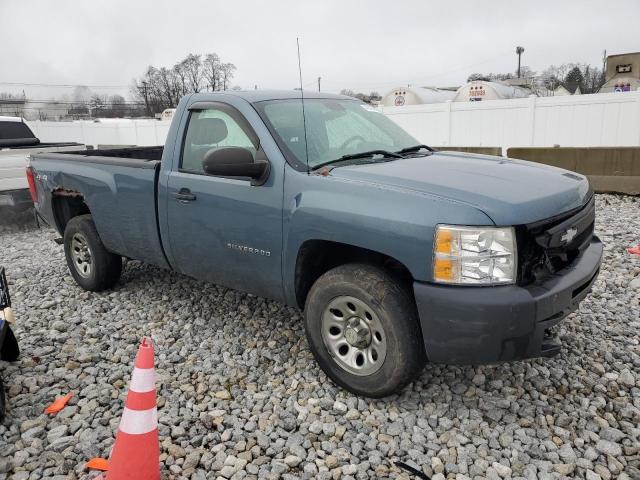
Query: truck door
point(224, 230)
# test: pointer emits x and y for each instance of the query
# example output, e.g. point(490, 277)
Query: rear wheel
point(363, 329)
point(92, 266)
point(9, 351)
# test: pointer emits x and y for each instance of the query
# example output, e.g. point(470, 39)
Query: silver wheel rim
point(81, 255)
point(353, 335)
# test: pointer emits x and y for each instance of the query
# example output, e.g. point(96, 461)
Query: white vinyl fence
point(144, 132)
point(605, 119)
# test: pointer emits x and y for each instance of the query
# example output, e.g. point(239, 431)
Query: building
point(12, 106)
point(622, 73)
point(479, 90)
point(33, 110)
point(560, 91)
point(401, 96)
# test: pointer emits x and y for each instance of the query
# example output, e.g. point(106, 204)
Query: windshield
point(335, 128)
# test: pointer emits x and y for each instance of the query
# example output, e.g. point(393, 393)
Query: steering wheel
point(351, 140)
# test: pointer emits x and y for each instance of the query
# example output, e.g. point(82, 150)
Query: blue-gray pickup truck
point(397, 253)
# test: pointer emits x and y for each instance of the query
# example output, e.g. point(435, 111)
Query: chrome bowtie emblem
point(569, 235)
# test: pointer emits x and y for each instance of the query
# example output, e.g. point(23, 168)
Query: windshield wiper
point(353, 156)
point(416, 148)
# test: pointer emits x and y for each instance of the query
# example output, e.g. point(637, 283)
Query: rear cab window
point(13, 134)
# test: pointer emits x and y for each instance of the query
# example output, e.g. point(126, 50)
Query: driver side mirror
point(236, 162)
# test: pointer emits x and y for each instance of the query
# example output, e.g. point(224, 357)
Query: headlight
point(474, 255)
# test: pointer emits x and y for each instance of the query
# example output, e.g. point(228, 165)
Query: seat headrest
point(209, 131)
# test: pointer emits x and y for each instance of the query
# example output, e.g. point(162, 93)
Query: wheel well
point(317, 257)
point(66, 206)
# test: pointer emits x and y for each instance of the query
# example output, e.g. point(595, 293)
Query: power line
point(13, 101)
point(61, 85)
point(436, 75)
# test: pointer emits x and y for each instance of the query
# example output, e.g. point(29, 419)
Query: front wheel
point(92, 266)
point(363, 330)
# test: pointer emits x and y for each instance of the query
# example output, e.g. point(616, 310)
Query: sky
point(356, 44)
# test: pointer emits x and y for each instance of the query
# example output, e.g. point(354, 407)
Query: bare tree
point(193, 69)
point(493, 77)
point(594, 78)
point(212, 71)
point(97, 102)
point(227, 70)
point(117, 105)
point(568, 75)
point(181, 78)
point(170, 84)
point(161, 88)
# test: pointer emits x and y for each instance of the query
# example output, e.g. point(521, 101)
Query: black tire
point(3, 406)
point(105, 267)
point(395, 309)
point(9, 351)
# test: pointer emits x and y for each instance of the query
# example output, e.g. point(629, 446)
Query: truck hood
point(510, 192)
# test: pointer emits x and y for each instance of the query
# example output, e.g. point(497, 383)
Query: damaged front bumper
point(479, 325)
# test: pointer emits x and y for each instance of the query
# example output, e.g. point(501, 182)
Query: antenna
point(304, 118)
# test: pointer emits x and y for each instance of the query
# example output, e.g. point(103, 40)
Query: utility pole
point(319, 78)
point(146, 98)
point(519, 51)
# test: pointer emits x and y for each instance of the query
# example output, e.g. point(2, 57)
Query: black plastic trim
point(469, 325)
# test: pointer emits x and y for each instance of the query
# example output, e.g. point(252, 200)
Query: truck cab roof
point(254, 96)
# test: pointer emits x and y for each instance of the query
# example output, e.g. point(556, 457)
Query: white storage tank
point(479, 90)
point(400, 96)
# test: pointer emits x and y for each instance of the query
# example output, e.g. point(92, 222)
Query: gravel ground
point(241, 397)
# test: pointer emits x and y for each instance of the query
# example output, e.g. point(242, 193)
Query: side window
point(214, 128)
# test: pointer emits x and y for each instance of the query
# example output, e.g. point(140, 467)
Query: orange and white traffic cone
point(136, 452)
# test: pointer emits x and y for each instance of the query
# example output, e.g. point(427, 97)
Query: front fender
point(393, 221)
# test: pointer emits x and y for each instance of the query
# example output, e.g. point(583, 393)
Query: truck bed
point(119, 187)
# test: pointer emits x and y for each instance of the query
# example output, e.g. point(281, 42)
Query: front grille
point(550, 245)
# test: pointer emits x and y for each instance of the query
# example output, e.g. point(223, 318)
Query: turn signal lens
point(443, 269)
point(444, 241)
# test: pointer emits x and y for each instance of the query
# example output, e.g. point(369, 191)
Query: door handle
point(184, 195)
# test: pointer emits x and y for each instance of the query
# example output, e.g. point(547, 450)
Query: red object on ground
point(634, 250)
point(136, 452)
point(59, 403)
point(98, 464)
